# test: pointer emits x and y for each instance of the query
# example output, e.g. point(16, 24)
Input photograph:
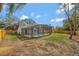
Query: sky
point(42, 13)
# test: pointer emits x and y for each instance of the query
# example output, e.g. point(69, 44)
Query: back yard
point(55, 44)
point(43, 28)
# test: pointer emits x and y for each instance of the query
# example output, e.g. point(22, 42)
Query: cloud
point(38, 16)
point(32, 14)
point(71, 6)
point(61, 9)
point(23, 17)
point(57, 20)
point(52, 20)
point(58, 11)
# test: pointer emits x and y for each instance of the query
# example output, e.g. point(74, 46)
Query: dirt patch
point(39, 47)
point(4, 51)
point(43, 48)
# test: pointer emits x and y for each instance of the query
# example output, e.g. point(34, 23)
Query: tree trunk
point(71, 32)
point(71, 35)
point(74, 32)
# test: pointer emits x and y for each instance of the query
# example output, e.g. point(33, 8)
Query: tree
point(72, 22)
point(59, 29)
point(2, 24)
point(65, 7)
point(74, 25)
point(75, 17)
point(11, 8)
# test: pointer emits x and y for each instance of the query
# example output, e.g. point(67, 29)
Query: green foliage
point(15, 37)
point(11, 8)
point(59, 29)
point(2, 24)
point(74, 23)
point(21, 37)
point(13, 27)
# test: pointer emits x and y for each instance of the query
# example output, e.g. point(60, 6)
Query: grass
point(58, 37)
point(15, 37)
point(12, 38)
point(52, 37)
point(21, 37)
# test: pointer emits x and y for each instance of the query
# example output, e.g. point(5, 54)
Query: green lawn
point(52, 37)
point(12, 38)
point(58, 37)
point(16, 37)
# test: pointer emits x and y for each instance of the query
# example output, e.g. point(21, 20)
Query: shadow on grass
point(20, 37)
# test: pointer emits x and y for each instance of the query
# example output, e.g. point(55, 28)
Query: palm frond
point(1, 6)
point(14, 7)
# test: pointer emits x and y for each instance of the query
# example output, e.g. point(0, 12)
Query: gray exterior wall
point(35, 31)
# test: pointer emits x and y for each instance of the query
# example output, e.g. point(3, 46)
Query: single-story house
point(30, 30)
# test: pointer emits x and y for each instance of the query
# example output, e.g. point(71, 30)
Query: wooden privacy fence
point(2, 34)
